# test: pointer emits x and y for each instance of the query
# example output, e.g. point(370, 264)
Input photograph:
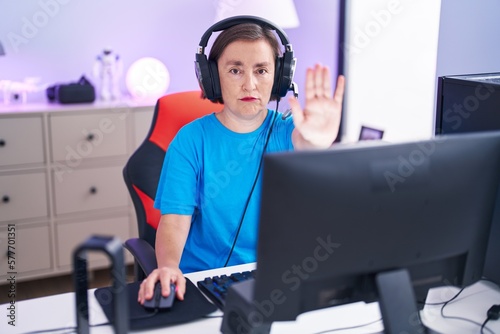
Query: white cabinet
point(88, 189)
point(74, 233)
point(84, 136)
point(61, 180)
point(23, 196)
point(21, 140)
point(31, 249)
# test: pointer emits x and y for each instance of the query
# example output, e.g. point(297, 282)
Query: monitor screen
point(332, 221)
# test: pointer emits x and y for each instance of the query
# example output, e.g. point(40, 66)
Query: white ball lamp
point(147, 79)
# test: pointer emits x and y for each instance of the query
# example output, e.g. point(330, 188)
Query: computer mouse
point(158, 301)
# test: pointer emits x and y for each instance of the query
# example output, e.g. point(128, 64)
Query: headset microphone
point(288, 112)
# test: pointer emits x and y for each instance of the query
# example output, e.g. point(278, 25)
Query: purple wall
point(468, 38)
point(58, 40)
point(316, 40)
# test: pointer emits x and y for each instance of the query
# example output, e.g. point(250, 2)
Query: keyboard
point(215, 287)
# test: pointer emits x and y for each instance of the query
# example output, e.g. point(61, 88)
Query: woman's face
point(246, 72)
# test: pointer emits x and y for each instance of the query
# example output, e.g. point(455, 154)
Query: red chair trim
point(152, 214)
point(193, 107)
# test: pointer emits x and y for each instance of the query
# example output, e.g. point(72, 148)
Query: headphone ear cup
point(283, 78)
point(214, 78)
point(275, 91)
point(288, 71)
point(202, 69)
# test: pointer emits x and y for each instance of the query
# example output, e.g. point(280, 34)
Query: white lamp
point(280, 12)
point(147, 78)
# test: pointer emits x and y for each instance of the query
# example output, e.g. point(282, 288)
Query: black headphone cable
point(253, 185)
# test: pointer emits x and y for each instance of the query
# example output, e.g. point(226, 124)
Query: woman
point(209, 190)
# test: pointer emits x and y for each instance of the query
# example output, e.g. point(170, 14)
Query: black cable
point(458, 293)
point(294, 87)
point(146, 316)
point(444, 304)
point(347, 328)
point(459, 318)
point(492, 314)
point(253, 186)
point(484, 324)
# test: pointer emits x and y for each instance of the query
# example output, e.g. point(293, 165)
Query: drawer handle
point(5, 199)
point(93, 190)
point(90, 137)
point(2, 143)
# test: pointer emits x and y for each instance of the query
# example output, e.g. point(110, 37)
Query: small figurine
point(108, 69)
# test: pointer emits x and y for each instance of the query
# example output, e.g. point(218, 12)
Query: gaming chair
point(142, 170)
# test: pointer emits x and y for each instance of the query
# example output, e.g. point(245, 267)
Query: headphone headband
point(235, 20)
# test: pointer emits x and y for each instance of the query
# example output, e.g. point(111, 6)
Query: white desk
point(59, 311)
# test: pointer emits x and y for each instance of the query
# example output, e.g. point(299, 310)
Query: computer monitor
point(469, 103)
point(336, 225)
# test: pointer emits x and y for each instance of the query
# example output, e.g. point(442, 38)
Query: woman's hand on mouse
point(165, 275)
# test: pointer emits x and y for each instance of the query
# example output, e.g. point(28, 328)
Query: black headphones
point(207, 72)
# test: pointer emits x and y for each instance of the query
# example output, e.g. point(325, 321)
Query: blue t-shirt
point(208, 172)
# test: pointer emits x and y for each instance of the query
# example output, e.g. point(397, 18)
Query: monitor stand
point(240, 316)
point(397, 303)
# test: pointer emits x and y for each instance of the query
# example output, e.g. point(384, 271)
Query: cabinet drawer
point(23, 196)
point(90, 189)
point(71, 235)
point(77, 137)
point(32, 249)
point(21, 141)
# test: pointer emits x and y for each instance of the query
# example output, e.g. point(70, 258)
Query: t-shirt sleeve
point(283, 130)
point(177, 188)
point(289, 126)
